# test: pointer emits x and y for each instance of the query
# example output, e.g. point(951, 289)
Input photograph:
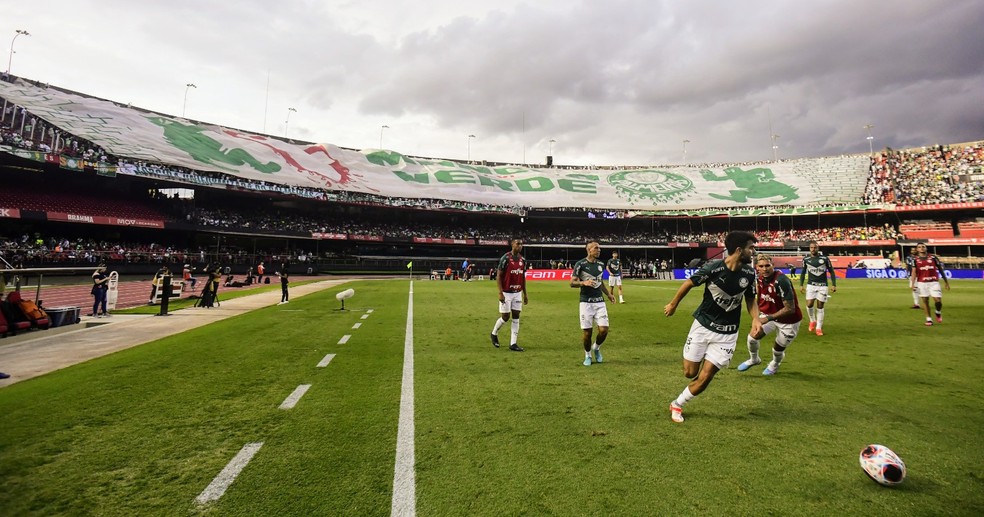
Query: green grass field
point(145, 430)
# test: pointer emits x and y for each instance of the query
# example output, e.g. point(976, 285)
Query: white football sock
point(812, 313)
point(820, 318)
point(498, 325)
point(777, 357)
point(915, 298)
point(684, 397)
point(515, 331)
point(753, 348)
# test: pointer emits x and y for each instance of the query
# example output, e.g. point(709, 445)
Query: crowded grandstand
point(89, 180)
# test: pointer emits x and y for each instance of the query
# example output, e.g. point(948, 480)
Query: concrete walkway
point(30, 355)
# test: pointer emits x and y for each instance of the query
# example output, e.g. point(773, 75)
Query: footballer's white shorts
point(514, 302)
point(929, 289)
point(703, 343)
point(592, 312)
point(816, 292)
point(614, 280)
point(785, 332)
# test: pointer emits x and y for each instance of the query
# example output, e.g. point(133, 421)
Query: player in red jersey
point(511, 279)
point(926, 281)
point(779, 311)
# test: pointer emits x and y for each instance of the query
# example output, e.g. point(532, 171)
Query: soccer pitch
point(144, 431)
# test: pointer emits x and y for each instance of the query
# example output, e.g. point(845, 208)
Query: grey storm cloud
point(617, 82)
point(822, 69)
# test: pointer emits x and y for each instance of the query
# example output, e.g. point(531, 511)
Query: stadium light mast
point(685, 142)
point(11, 58)
point(381, 128)
point(871, 148)
point(775, 148)
point(184, 105)
point(469, 146)
point(287, 121)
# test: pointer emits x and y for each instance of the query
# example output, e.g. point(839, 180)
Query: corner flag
point(409, 264)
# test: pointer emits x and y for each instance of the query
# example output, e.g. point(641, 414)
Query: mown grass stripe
point(224, 480)
point(404, 478)
point(294, 397)
point(344, 339)
point(327, 359)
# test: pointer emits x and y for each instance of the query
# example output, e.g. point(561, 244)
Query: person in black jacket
point(284, 280)
point(100, 286)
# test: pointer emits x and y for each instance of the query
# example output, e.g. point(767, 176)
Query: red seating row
point(75, 203)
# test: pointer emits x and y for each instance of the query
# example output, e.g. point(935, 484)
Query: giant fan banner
point(140, 136)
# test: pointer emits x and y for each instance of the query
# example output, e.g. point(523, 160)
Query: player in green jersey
point(714, 333)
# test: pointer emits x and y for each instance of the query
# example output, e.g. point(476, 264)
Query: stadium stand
point(238, 221)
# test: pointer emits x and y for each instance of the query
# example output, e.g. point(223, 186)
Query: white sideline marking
point(344, 339)
point(218, 486)
point(324, 362)
point(357, 325)
point(404, 478)
point(292, 399)
point(364, 316)
point(370, 310)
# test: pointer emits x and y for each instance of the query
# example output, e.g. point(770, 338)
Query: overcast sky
point(613, 82)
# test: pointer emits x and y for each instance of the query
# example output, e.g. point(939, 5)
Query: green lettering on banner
point(577, 186)
point(537, 184)
point(421, 177)
point(476, 168)
point(385, 158)
point(510, 170)
point(448, 176)
point(495, 182)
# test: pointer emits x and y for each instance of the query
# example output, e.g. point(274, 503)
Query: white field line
point(369, 311)
point(218, 486)
point(357, 325)
point(344, 339)
point(324, 362)
point(364, 316)
point(292, 399)
point(404, 477)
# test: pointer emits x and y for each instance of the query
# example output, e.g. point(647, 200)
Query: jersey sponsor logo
point(817, 270)
point(724, 329)
point(728, 302)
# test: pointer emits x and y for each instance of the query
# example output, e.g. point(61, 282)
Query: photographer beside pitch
point(779, 311)
point(714, 333)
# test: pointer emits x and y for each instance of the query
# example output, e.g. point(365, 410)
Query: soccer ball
point(882, 465)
